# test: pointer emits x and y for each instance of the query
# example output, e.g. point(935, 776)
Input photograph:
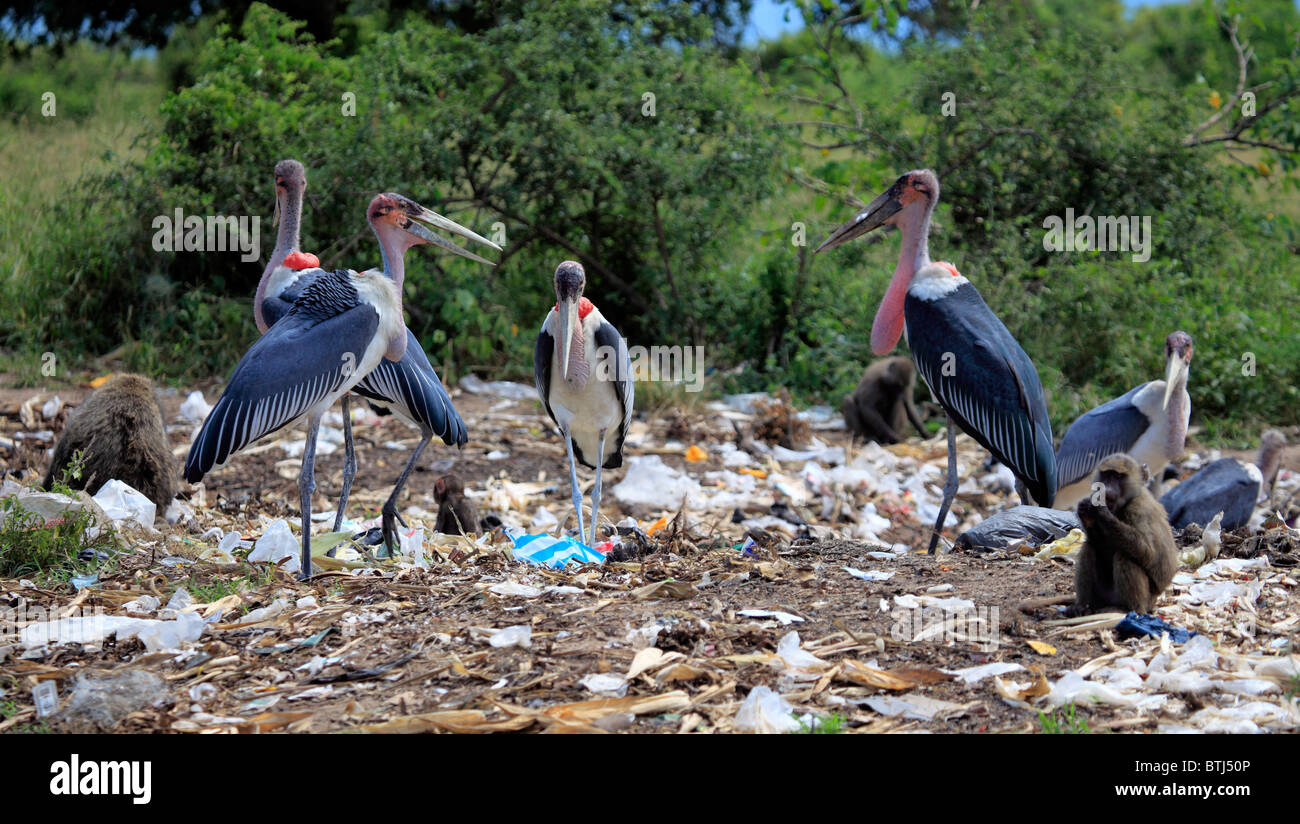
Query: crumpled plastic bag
point(520, 635)
point(53, 505)
point(109, 699)
point(122, 502)
point(278, 542)
point(502, 389)
point(1136, 626)
point(795, 662)
point(649, 481)
point(554, 552)
point(169, 635)
point(195, 409)
point(766, 711)
point(155, 634)
point(1073, 688)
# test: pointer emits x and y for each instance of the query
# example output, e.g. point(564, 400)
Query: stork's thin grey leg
point(949, 486)
point(307, 485)
point(595, 490)
point(1023, 493)
point(390, 506)
point(573, 482)
point(349, 462)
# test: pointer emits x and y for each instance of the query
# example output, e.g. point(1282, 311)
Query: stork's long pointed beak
point(566, 316)
point(877, 212)
point(417, 212)
point(1176, 368)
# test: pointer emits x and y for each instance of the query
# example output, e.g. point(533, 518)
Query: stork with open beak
point(408, 387)
point(1149, 422)
point(584, 379)
point(337, 329)
point(977, 371)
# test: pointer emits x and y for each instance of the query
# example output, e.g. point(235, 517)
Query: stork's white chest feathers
point(595, 406)
point(378, 290)
point(282, 278)
point(934, 281)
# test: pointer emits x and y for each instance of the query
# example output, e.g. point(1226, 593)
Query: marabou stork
point(341, 325)
point(408, 387)
point(1149, 422)
point(584, 379)
point(975, 368)
point(339, 328)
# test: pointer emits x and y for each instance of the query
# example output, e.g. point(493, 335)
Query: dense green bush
point(1048, 117)
point(542, 123)
point(536, 117)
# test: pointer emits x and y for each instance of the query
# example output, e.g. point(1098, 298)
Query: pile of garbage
point(742, 580)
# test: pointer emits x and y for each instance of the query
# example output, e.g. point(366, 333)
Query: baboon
point(876, 409)
point(119, 431)
point(1271, 445)
point(456, 513)
point(1129, 556)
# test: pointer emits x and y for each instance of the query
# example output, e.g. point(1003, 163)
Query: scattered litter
point(919, 707)
point(516, 636)
point(1137, 626)
point(1073, 688)
point(1030, 525)
point(765, 711)
point(515, 588)
point(195, 409)
point(784, 617)
point(475, 385)
point(544, 520)
point(167, 635)
point(973, 675)
point(45, 696)
point(554, 552)
point(608, 684)
point(1208, 549)
point(873, 575)
point(651, 482)
point(107, 700)
point(795, 662)
point(278, 544)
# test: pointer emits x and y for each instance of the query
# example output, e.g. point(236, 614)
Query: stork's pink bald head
point(907, 204)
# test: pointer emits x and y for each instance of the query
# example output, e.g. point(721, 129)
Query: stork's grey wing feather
point(1115, 426)
point(985, 381)
point(543, 357)
point(609, 340)
point(412, 389)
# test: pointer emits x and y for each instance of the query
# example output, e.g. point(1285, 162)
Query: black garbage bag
point(1226, 485)
point(1036, 524)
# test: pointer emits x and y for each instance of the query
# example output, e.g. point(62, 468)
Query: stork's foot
point(391, 518)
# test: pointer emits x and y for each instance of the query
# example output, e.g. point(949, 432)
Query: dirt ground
point(401, 648)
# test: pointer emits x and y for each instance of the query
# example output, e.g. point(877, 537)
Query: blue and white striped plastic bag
point(554, 552)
